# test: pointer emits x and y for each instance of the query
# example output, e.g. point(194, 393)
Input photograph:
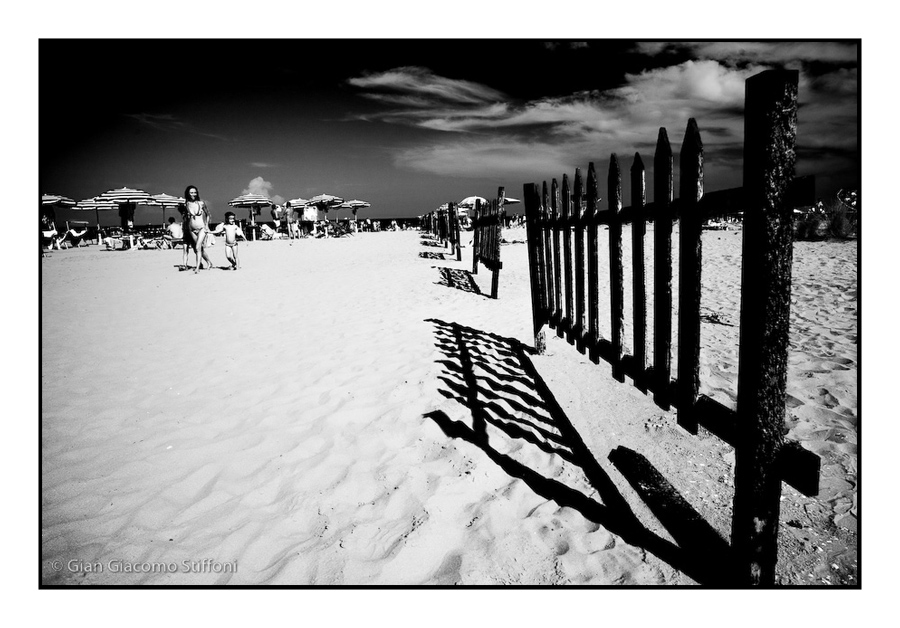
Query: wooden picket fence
point(559, 220)
point(488, 223)
point(443, 224)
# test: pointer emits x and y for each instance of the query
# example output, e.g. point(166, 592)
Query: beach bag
point(210, 239)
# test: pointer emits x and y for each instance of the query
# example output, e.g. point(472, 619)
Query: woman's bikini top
point(199, 206)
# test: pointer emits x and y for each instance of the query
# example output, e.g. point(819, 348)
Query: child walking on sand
point(232, 231)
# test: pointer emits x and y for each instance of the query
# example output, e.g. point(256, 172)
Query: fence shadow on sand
point(459, 279)
point(495, 379)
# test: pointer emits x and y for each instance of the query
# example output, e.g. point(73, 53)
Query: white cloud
point(423, 86)
point(261, 186)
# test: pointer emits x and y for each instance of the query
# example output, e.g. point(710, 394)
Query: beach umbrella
point(325, 202)
point(168, 201)
point(49, 203)
point(469, 202)
point(299, 204)
point(55, 200)
point(127, 199)
point(95, 204)
point(251, 201)
point(354, 206)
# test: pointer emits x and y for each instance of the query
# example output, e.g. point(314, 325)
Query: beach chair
point(50, 239)
point(73, 238)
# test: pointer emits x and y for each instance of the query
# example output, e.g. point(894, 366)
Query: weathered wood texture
point(555, 221)
point(770, 129)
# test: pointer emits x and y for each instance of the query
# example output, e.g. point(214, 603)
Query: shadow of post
point(496, 380)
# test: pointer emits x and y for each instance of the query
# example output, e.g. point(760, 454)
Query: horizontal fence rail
point(559, 220)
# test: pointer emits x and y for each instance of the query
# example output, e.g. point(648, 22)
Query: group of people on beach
point(195, 228)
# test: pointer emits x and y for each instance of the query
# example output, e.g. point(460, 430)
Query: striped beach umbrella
point(251, 201)
point(95, 204)
point(168, 202)
point(128, 199)
point(325, 202)
point(55, 200)
point(355, 205)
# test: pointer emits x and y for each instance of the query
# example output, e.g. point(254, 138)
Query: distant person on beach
point(197, 219)
point(290, 219)
point(175, 237)
point(276, 215)
point(232, 231)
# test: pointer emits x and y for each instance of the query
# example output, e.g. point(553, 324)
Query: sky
point(407, 124)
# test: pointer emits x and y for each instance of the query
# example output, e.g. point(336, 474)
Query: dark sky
point(410, 124)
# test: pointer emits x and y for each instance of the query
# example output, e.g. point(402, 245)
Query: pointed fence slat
point(639, 291)
point(549, 287)
point(577, 198)
point(689, 281)
point(593, 265)
point(557, 257)
point(568, 324)
point(616, 279)
point(532, 224)
point(663, 191)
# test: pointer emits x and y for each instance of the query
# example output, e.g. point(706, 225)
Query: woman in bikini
point(196, 218)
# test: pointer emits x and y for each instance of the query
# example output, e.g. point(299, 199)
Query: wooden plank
point(577, 197)
point(616, 274)
point(476, 236)
point(494, 251)
point(638, 272)
point(690, 256)
point(557, 265)
point(567, 254)
point(547, 236)
point(663, 191)
point(532, 216)
point(593, 256)
point(770, 128)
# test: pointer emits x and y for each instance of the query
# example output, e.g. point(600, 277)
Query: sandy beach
point(357, 411)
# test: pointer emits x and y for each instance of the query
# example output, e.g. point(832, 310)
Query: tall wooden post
point(476, 235)
point(663, 191)
point(538, 288)
point(689, 265)
point(569, 321)
point(593, 265)
point(616, 273)
point(770, 128)
point(557, 264)
point(639, 289)
point(578, 218)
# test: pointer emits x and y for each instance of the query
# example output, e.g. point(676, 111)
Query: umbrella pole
point(252, 225)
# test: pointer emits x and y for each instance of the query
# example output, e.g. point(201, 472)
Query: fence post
point(496, 235)
point(535, 243)
point(476, 236)
point(663, 191)
point(689, 264)
point(593, 266)
point(770, 127)
point(639, 288)
point(616, 274)
point(546, 231)
point(557, 265)
point(569, 320)
point(454, 229)
point(577, 196)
